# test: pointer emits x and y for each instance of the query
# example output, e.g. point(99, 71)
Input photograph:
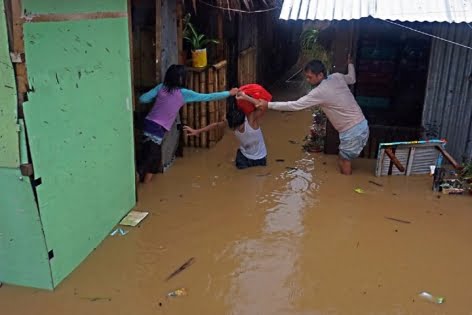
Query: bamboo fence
point(198, 115)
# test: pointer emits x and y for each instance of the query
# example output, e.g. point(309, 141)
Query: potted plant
point(198, 43)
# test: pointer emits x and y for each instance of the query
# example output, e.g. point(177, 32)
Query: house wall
point(447, 111)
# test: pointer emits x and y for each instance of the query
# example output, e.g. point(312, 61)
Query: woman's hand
point(190, 131)
point(233, 91)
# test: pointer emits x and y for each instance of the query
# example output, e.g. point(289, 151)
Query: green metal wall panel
point(23, 254)
point(9, 151)
point(79, 121)
point(73, 6)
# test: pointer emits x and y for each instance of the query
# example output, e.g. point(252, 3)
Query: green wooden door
point(79, 122)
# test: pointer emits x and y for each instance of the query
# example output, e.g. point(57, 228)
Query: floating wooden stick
point(398, 220)
point(376, 184)
point(187, 264)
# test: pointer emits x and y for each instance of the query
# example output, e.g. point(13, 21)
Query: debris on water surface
point(293, 142)
point(398, 220)
point(291, 168)
point(134, 218)
point(429, 297)
point(119, 231)
point(178, 292)
point(375, 183)
point(263, 175)
point(359, 191)
point(187, 264)
point(279, 160)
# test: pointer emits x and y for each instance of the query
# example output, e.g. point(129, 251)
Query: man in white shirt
point(334, 97)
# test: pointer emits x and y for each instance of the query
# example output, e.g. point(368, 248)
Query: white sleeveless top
point(252, 143)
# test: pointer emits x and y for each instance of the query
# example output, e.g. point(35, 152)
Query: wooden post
point(180, 36)
point(158, 40)
point(222, 88)
point(190, 114)
point(196, 107)
point(220, 35)
point(19, 50)
point(203, 110)
point(211, 107)
point(217, 104)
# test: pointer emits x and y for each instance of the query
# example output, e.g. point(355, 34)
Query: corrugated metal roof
point(452, 11)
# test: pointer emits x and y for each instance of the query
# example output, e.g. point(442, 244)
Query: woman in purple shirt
point(168, 98)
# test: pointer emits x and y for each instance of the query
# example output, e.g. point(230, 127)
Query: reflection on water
point(265, 280)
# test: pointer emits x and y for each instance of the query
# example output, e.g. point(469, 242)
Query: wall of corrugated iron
point(448, 104)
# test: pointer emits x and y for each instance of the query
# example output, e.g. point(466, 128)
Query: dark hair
point(235, 117)
point(175, 78)
point(316, 67)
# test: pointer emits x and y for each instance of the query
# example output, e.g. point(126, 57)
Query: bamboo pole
point(184, 110)
point(191, 119)
point(196, 106)
point(211, 107)
point(222, 88)
point(217, 105)
point(203, 111)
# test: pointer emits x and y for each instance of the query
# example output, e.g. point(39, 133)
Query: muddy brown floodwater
point(290, 238)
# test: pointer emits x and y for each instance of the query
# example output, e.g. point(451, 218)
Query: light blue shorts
point(353, 140)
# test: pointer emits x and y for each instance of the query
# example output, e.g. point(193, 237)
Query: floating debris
point(279, 160)
point(398, 220)
point(359, 191)
point(263, 175)
point(119, 231)
point(293, 142)
point(187, 264)
point(374, 183)
point(134, 218)
point(178, 292)
point(434, 299)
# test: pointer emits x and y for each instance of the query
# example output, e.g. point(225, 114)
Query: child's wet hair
point(175, 78)
point(235, 117)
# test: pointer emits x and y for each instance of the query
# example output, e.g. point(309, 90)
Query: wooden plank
point(9, 140)
point(394, 160)
point(31, 18)
point(220, 48)
point(180, 30)
point(19, 48)
point(220, 65)
point(448, 157)
point(158, 40)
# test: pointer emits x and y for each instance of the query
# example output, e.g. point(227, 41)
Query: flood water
point(290, 238)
